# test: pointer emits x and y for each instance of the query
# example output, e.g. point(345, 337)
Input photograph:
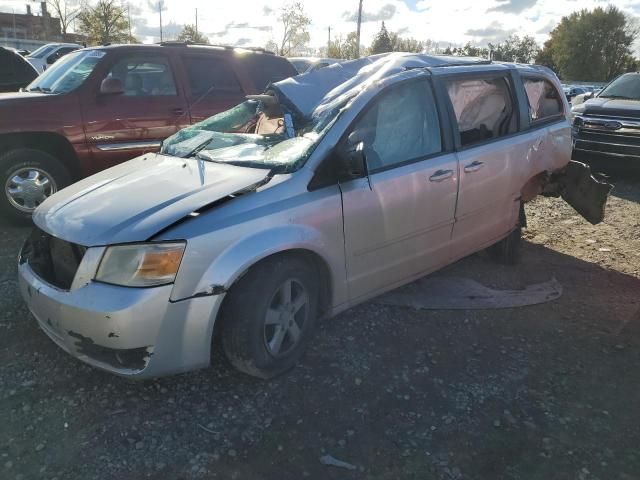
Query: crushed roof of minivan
point(306, 92)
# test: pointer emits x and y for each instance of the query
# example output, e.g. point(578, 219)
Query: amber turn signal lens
point(160, 264)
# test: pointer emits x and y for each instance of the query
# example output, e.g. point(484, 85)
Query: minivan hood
point(609, 107)
point(135, 200)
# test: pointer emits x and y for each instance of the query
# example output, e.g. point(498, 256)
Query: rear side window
point(401, 125)
point(544, 99)
point(144, 76)
point(209, 75)
point(7, 72)
point(264, 69)
point(483, 108)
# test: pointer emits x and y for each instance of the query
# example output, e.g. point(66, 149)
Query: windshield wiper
point(40, 89)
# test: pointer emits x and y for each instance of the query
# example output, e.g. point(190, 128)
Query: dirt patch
point(543, 392)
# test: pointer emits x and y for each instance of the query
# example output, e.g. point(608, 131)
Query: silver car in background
point(333, 187)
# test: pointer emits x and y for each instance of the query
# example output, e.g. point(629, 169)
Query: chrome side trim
point(110, 147)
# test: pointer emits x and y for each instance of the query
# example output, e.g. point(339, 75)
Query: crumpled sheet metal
point(305, 93)
point(454, 293)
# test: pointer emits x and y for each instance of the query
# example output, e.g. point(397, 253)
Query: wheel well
point(326, 288)
point(52, 143)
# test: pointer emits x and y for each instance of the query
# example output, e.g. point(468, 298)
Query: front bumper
point(132, 332)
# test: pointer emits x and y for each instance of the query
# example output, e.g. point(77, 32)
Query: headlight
point(141, 265)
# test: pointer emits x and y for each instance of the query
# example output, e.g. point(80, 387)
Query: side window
point(144, 76)
point(209, 75)
point(402, 125)
point(7, 72)
point(544, 99)
point(483, 108)
point(264, 69)
point(24, 72)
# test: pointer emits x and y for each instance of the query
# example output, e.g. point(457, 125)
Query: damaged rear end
point(576, 185)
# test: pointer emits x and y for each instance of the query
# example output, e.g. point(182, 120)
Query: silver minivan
point(332, 187)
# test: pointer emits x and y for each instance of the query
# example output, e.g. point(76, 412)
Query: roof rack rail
point(176, 43)
point(452, 64)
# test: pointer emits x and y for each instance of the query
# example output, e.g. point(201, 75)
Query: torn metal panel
point(306, 94)
point(587, 195)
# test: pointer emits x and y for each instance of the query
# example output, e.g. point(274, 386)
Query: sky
point(255, 22)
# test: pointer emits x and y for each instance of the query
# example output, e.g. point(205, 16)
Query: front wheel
point(269, 316)
point(29, 177)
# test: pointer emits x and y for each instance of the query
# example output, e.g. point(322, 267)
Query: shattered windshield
point(254, 134)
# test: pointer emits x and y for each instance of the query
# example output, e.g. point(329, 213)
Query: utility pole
point(329, 42)
point(160, 11)
point(358, 30)
point(196, 22)
point(14, 23)
point(129, 18)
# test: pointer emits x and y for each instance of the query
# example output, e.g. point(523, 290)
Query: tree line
point(589, 45)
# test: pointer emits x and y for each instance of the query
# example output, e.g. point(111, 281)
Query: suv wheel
point(28, 177)
point(269, 316)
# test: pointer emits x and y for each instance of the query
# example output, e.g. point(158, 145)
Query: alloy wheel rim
point(28, 187)
point(286, 318)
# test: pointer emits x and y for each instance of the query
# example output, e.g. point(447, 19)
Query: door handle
point(441, 175)
point(473, 167)
point(178, 111)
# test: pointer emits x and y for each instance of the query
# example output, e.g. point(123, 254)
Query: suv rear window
point(265, 68)
point(544, 99)
point(483, 108)
point(209, 75)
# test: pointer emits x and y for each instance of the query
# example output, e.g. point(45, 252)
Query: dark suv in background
point(15, 71)
point(606, 127)
point(97, 107)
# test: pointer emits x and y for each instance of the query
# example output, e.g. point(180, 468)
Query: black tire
point(20, 159)
point(245, 332)
point(507, 250)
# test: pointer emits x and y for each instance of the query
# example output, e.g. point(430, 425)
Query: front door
point(122, 126)
point(398, 220)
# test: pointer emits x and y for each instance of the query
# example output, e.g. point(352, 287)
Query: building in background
point(30, 30)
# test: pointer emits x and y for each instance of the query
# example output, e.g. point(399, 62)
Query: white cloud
point(454, 21)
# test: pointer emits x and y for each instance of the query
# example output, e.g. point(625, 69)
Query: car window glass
point(144, 76)
point(544, 99)
point(264, 69)
point(7, 70)
point(210, 76)
point(483, 109)
point(401, 126)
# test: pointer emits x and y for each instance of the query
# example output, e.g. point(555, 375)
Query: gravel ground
point(543, 392)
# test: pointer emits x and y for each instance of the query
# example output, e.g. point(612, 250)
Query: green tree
point(399, 44)
point(516, 49)
point(591, 45)
point(344, 47)
point(295, 29)
point(191, 35)
point(381, 42)
point(545, 56)
point(106, 22)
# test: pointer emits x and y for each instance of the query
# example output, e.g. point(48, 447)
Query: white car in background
point(47, 54)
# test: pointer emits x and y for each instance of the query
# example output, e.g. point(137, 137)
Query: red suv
point(97, 107)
